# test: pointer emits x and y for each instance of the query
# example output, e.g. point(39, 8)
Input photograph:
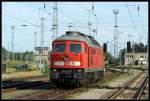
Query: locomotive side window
point(75, 48)
point(59, 47)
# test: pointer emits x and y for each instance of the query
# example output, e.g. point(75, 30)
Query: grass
point(11, 66)
point(20, 75)
point(13, 72)
point(46, 69)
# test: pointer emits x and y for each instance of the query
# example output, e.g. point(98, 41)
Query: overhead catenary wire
point(82, 26)
point(19, 19)
point(88, 10)
point(139, 16)
point(131, 17)
point(82, 7)
point(94, 14)
point(135, 27)
point(62, 13)
point(44, 10)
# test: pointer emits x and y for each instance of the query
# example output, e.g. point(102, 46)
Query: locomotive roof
point(74, 35)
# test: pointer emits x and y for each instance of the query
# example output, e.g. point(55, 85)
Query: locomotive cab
point(67, 60)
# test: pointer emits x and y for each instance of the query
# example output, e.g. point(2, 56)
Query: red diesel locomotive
point(76, 59)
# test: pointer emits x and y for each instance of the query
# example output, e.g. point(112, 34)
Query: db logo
point(66, 58)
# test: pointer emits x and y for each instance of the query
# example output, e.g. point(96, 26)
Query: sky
point(132, 21)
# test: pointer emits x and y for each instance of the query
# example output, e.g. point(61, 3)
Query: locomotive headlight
point(59, 63)
point(75, 63)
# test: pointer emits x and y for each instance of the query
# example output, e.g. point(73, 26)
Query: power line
point(131, 17)
point(124, 22)
point(19, 19)
point(44, 10)
point(66, 15)
point(88, 10)
point(140, 19)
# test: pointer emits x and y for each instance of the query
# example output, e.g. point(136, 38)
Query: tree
point(122, 54)
point(111, 60)
point(4, 52)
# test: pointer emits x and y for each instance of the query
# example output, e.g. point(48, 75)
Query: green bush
point(10, 70)
point(46, 69)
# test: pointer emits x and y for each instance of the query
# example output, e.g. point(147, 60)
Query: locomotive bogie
point(76, 76)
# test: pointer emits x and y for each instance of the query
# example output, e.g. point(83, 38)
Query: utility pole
point(89, 23)
point(20, 56)
point(8, 58)
point(129, 37)
point(93, 15)
point(26, 58)
point(12, 42)
point(69, 26)
point(147, 52)
point(115, 11)
point(89, 26)
point(140, 38)
point(35, 33)
point(133, 52)
point(42, 43)
point(55, 22)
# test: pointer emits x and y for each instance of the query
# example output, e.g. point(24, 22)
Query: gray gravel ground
point(97, 93)
point(89, 93)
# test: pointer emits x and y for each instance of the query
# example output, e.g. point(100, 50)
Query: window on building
point(141, 56)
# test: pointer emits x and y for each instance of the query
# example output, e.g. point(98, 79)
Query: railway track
point(123, 90)
point(139, 93)
point(22, 85)
point(61, 93)
point(116, 70)
point(15, 82)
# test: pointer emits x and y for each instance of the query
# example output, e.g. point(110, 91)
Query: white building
point(45, 55)
point(138, 58)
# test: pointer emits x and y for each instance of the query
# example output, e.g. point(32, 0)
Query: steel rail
point(118, 92)
point(62, 93)
point(139, 93)
point(24, 85)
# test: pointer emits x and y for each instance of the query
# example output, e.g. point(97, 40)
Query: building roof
point(38, 48)
point(77, 36)
point(136, 53)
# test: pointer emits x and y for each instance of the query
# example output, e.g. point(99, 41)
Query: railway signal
point(12, 42)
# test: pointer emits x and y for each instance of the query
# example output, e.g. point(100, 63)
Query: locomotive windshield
point(75, 48)
point(59, 47)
